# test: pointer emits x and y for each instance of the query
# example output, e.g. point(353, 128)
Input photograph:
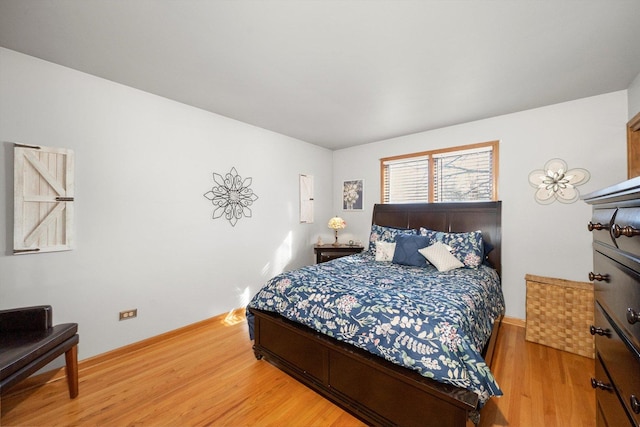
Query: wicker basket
point(559, 313)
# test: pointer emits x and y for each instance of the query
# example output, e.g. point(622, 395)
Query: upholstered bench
point(28, 341)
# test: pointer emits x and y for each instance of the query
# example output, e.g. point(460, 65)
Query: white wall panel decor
point(43, 198)
point(306, 199)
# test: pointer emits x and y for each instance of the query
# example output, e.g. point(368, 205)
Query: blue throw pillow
point(407, 247)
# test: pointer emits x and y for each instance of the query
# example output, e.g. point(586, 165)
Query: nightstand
point(328, 252)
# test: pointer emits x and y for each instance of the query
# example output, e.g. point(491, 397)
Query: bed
point(428, 374)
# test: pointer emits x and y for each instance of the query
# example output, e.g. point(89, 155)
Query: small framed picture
point(353, 195)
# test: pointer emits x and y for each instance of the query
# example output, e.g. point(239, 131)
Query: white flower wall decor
point(557, 182)
point(231, 197)
point(352, 195)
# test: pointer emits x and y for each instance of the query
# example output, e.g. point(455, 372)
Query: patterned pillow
point(438, 254)
point(385, 251)
point(407, 248)
point(467, 247)
point(386, 234)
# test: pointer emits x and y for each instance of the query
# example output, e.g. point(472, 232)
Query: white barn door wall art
point(306, 199)
point(43, 199)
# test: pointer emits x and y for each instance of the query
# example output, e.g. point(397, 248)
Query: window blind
point(406, 180)
point(463, 176)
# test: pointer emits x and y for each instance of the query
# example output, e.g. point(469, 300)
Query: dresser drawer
point(609, 411)
point(618, 291)
point(625, 230)
point(615, 227)
point(600, 225)
point(619, 361)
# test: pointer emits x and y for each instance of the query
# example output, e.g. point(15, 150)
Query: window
point(455, 174)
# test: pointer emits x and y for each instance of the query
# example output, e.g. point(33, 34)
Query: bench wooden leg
point(71, 358)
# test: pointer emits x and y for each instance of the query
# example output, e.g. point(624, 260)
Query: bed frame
point(369, 387)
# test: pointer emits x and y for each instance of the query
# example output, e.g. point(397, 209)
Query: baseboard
point(233, 317)
point(514, 321)
point(121, 351)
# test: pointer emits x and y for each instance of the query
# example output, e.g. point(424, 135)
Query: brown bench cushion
point(20, 348)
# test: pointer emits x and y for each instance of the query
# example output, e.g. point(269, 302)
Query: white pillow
point(385, 251)
point(438, 254)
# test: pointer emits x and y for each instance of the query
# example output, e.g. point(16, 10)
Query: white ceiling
point(339, 73)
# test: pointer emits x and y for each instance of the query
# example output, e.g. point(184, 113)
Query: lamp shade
point(337, 223)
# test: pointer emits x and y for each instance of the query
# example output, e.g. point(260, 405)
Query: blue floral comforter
point(435, 323)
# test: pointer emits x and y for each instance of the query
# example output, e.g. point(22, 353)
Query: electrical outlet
point(128, 314)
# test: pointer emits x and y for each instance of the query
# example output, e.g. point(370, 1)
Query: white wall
point(549, 240)
point(145, 238)
point(634, 97)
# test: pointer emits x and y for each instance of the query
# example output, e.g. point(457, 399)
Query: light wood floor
point(208, 376)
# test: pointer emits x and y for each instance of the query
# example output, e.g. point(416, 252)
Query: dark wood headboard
point(455, 217)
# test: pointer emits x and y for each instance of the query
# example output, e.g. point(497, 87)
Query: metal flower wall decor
point(556, 182)
point(232, 196)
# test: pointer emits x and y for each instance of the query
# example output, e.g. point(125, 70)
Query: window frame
point(430, 155)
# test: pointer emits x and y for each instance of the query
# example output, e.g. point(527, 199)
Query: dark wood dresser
point(615, 226)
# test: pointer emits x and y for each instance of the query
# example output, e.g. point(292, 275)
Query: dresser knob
point(597, 226)
point(632, 316)
point(628, 231)
point(595, 330)
point(599, 384)
point(635, 404)
point(599, 277)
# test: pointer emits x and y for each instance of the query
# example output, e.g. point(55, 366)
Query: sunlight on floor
point(234, 317)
